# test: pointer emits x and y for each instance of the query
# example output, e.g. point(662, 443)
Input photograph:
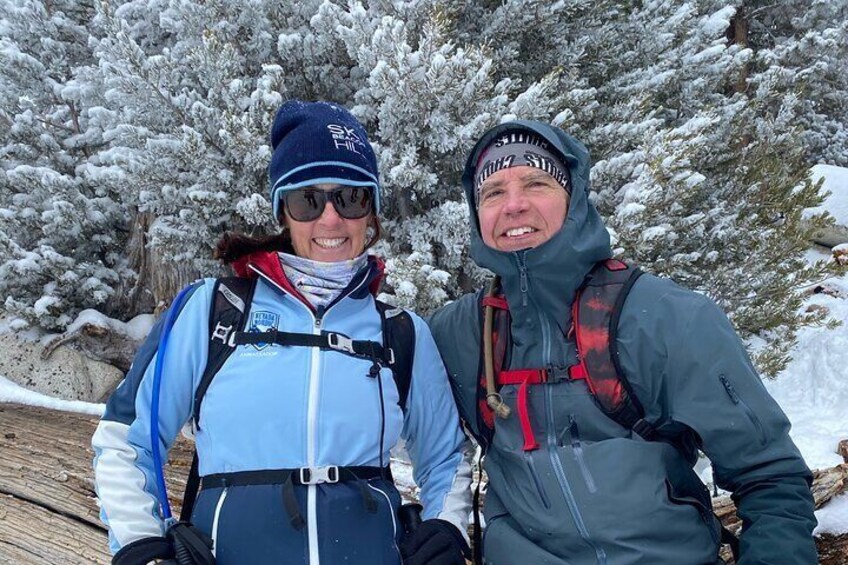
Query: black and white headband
point(517, 149)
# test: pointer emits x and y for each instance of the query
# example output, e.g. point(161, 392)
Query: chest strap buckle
point(318, 475)
point(340, 342)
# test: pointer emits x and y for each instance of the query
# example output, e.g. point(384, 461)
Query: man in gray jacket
point(567, 482)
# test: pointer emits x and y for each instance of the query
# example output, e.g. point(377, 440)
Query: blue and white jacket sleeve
point(123, 463)
point(440, 453)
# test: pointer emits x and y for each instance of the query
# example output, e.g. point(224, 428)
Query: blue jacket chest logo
point(263, 322)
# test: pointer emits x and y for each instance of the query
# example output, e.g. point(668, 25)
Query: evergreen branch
point(77, 129)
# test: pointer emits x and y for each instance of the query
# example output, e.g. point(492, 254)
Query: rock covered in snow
point(89, 370)
point(66, 374)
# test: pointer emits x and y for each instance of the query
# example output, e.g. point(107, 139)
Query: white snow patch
point(833, 516)
point(136, 329)
point(140, 326)
point(835, 182)
point(813, 390)
point(12, 393)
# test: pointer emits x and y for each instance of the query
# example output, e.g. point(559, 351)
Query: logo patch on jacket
point(263, 322)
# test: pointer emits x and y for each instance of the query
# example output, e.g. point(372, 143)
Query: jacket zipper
point(536, 480)
point(736, 399)
point(311, 417)
point(522, 270)
point(600, 554)
point(311, 414)
point(553, 452)
point(577, 449)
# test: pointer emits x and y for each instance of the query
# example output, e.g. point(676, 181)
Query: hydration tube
point(171, 317)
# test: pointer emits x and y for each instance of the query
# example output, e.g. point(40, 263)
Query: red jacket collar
point(268, 263)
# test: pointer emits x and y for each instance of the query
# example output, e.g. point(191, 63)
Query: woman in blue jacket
point(293, 440)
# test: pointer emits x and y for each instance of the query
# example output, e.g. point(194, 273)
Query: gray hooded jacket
point(594, 492)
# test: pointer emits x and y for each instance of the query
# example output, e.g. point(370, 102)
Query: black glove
point(143, 551)
point(434, 542)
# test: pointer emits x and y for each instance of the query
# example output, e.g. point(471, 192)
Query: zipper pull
point(731, 392)
point(524, 285)
point(319, 314)
point(572, 430)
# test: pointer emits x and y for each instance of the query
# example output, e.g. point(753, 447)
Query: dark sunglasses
point(307, 204)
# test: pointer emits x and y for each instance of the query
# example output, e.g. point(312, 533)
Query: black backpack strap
point(330, 341)
point(231, 301)
point(399, 336)
point(228, 313)
point(191, 489)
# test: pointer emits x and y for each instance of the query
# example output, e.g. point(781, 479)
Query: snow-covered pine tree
point(194, 88)
point(695, 112)
point(61, 215)
point(801, 50)
point(428, 100)
point(702, 180)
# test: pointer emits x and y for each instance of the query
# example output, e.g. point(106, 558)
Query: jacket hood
point(552, 271)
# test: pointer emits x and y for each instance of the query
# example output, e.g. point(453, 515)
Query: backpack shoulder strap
point(597, 309)
point(228, 313)
point(231, 298)
point(399, 336)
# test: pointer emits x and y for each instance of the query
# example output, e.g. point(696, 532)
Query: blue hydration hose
point(173, 312)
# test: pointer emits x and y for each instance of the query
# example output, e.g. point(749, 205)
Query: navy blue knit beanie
point(319, 142)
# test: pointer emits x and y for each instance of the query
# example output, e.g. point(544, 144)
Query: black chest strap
point(328, 341)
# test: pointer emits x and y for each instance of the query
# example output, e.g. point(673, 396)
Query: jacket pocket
point(699, 500)
point(737, 400)
point(393, 504)
point(216, 518)
point(577, 450)
point(536, 480)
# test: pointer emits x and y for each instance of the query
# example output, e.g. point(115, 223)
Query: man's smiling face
point(520, 207)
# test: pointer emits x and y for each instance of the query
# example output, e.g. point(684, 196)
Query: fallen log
point(48, 508)
point(49, 513)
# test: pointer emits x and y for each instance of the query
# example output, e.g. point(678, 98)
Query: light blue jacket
point(275, 407)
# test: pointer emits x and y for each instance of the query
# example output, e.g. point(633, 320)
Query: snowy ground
point(835, 182)
point(11, 392)
point(813, 391)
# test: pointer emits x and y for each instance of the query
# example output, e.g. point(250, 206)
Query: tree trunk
point(737, 34)
point(156, 282)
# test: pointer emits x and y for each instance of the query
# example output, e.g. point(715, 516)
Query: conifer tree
point(141, 126)
point(60, 198)
point(699, 178)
